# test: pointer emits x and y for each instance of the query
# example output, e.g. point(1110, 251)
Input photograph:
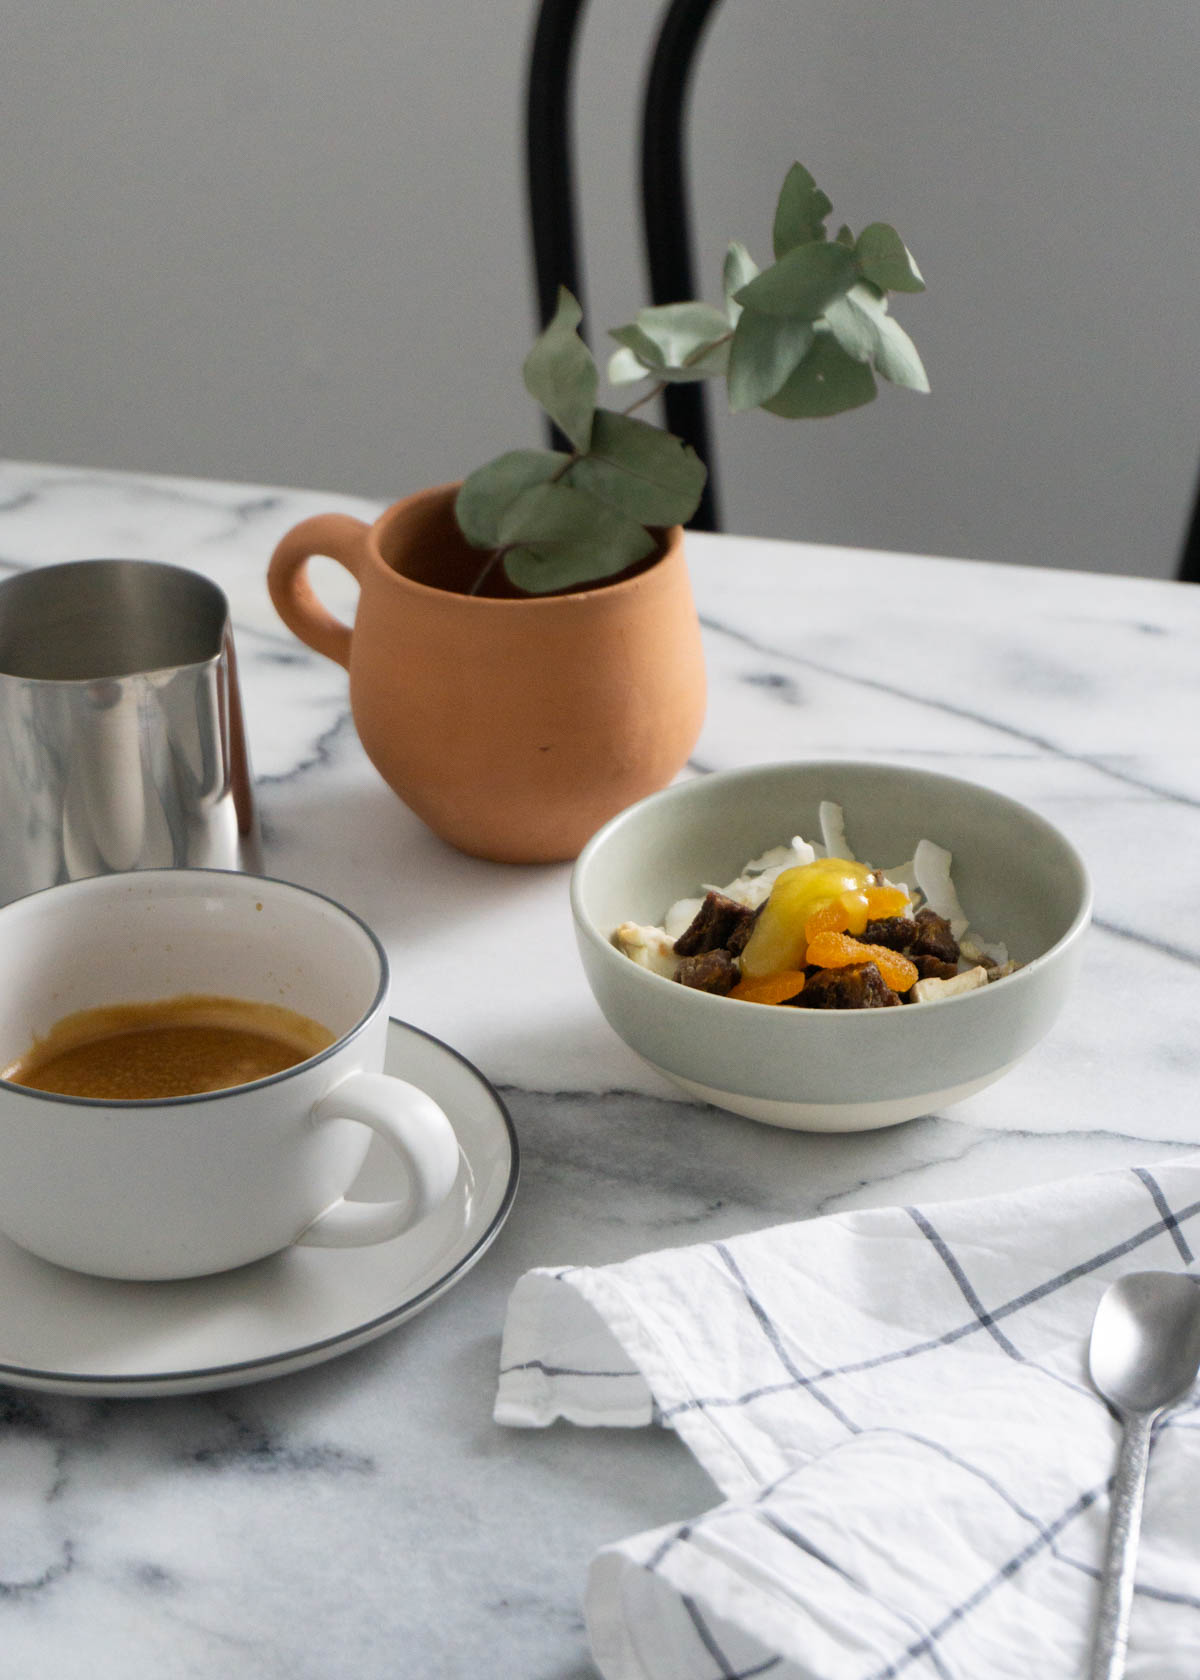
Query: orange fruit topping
point(885, 901)
point(771, 988)
point(836, 950)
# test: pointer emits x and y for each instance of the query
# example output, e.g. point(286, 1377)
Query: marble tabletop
point(365, 1516)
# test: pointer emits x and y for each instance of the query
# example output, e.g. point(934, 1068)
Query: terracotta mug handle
point(336, 536)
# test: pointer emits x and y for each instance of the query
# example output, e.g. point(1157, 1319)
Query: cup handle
point(413, 1125)
point(338, 537)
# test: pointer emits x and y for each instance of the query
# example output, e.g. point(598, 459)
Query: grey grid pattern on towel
point(895, 1405)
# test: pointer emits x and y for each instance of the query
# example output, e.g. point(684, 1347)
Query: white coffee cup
point(189, 1185)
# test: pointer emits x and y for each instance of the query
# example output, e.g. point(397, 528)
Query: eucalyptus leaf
point(766, 350)
point(853, 326)
point(625, 368)
point(828, 381)
point(561, 374)
point(864, 329)
point(678, 341)
point(738, 271)
point(711, 361)
point(705, 362)
point(641, 345)
point(487, 494)
point(884, 258)
point(801, 211)
point(803, 282)
point(897, 358)
point(682, 328)
point(557, 536)
point(640, 470)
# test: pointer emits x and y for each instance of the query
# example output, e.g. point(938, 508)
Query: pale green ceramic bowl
point(1019, 880)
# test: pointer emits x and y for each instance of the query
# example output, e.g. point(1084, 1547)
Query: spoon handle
point(1124, 1527)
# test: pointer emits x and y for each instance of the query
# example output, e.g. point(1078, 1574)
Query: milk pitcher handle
point(336, 536)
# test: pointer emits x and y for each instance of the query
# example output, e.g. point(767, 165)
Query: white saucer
point(70, 1334)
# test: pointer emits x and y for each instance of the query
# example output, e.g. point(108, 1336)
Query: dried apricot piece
point(771, 988)
point(838, 950)
point(830, 918)
point(897, 971)
point(883, 902)
point(834, 950)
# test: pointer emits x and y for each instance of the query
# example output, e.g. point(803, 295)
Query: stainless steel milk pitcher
point(121, 735)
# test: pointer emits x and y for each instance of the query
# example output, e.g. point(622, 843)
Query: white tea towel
point(895, 1407)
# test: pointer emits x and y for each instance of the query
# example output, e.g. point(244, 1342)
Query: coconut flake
point(797, 851)
point(680, 916)
point(753, 886)
point(931, 866)
point(833, 831)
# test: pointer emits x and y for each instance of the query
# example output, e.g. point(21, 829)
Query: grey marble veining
point(366, 1517)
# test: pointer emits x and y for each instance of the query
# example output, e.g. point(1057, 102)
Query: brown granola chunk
point(933, 968)
point(933, 937)
point(738, 939)
point(718, 921)
point(858, 986)
point(709, 971)
point(892, 931)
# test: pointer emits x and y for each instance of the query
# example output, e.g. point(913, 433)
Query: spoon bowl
point(1145, 1346)
point(1144, 1355)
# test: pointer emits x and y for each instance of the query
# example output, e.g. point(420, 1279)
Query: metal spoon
point(1144, 1354)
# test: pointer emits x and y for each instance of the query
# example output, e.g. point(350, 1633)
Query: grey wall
point(286, 243)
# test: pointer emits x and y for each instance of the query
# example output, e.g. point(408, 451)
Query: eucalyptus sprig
point(802, 339)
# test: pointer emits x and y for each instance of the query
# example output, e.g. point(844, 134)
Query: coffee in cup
point(170, 1183)
point(172, 1047)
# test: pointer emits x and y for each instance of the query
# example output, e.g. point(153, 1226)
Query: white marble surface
point(366, 1517)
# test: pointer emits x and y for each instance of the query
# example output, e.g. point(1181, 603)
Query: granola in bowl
point(808, 925)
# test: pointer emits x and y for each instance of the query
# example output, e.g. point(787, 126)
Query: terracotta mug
point(514, 727)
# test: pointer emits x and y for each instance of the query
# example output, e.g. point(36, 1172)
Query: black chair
point(665, 223)
point(1189, 565)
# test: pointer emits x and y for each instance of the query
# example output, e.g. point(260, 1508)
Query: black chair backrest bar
point(1189, 565)
point(665, 224)
point(665, 220)
point(549, 168)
